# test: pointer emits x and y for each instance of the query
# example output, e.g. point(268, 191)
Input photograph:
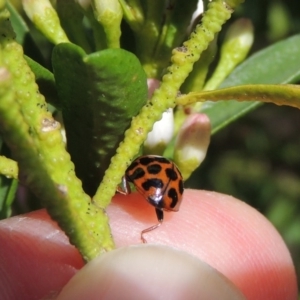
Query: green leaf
point(100, 94)
point(19, 25)
point(279, 63)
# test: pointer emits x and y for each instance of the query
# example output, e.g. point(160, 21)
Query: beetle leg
point(160, 218)
point(124, 189)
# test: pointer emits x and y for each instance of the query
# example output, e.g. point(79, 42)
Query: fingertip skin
point(36, 257)
point(226, 233)
point(37, 260)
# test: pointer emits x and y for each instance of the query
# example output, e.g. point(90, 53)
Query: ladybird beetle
point(159, 181)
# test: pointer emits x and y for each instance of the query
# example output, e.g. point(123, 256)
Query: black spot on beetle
point(171, 174)
point(146, 160)
point(154, 169)
point(154, 182)
point(172, 194)
point(137, 174)
point(161, 160)
point(132, 166)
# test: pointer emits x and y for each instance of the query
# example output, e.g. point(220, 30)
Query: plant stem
point(279, 94)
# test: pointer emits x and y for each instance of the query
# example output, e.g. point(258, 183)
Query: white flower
point(192, 143)
point(163, 130)
point(161, 134)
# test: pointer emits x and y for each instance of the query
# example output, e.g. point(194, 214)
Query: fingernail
point(149, 272)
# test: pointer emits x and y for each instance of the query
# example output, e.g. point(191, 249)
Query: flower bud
point(163, 129)
point(109, 14)
point(85, 4)
point(161, 134)
point(236, 45)
point(192, 143)
point(45, 18)
point(153, 84)
point(103, 7)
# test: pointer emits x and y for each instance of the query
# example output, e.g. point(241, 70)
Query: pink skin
point(37, 260)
